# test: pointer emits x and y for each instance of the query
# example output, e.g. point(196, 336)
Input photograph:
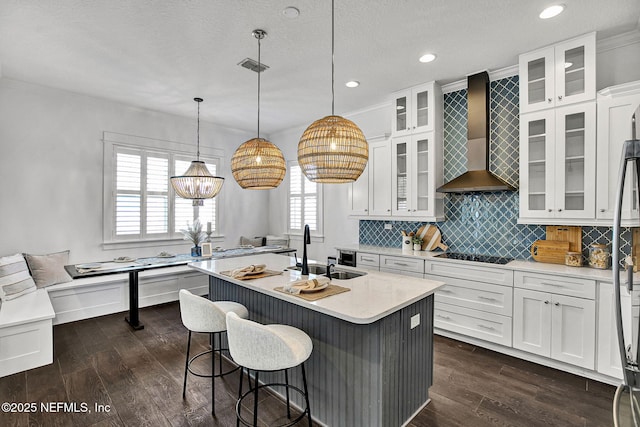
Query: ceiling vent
point(252, 65)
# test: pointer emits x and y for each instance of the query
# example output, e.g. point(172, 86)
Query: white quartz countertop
point(519, 265)
point(372, 296)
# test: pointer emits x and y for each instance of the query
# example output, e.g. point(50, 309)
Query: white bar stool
point(202, 315)
point(267, 348)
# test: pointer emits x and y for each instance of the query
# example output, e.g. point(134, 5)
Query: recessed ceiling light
point(352, 83)
point(291, 12)
point(552, 11)
point(428, 57)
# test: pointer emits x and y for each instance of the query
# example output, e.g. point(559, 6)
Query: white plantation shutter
point(157, 205)
point(144, 203)
point(185, 212)
point(183, 207)
point(128, 193)
point(304, 201)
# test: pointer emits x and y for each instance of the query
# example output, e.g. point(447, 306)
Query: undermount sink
point(320, 269)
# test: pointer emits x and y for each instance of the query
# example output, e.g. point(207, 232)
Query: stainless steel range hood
point(478, 177)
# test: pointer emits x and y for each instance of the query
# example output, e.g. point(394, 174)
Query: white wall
point(51, 169)
point(338, 227)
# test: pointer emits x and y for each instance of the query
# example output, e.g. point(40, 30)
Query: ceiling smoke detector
point(252, 65)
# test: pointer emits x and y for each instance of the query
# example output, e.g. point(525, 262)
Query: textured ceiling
point(159, 54)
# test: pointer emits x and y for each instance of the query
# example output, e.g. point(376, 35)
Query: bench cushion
point(15, 279)
point(48, 269)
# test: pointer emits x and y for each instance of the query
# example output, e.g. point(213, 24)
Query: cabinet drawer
point(480, 296)
point(402, 272)
point(581, 288)
point(400, 263)
point(366, 259)
point(474, 323)
point(469, 271)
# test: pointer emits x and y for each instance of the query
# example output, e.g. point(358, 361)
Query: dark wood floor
point(139, 375)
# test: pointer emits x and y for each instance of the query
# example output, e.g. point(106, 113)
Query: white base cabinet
point(555, 326)
point(609, 362)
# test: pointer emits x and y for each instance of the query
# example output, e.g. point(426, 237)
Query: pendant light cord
point(259, 37)
point(333, 95)
point(198, 132)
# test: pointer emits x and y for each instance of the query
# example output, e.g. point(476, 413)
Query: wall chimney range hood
point(478, 177)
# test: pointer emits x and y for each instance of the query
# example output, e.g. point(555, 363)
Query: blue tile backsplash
point(484, 223)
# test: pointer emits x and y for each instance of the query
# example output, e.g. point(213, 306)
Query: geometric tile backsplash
point(484, 223)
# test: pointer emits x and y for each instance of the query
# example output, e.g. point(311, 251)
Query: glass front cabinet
point(558, 163)
point(414, 171)
point(558, 75)
point(414, 109)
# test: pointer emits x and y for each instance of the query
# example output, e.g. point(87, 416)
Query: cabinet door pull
point(443, 317)
point(366, 210)
point(559, 97)
point(546, 302)
point(549, 100)
point(550, 210)
point(367, 259)
point(486, 298)
point(557, 304)
point(559, 210)
point(601, 210)
point(490, 328)
point(401, 263)
point(445, 291)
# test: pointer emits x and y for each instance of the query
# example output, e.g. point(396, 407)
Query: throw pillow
point(48, 269)
point(256, 241)
point(15, 279)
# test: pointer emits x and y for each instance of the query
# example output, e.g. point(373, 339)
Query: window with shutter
point(145, 207)
point(305, 202)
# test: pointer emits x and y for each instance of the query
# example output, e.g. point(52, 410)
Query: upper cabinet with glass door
point(558, 75)
point(415, 109)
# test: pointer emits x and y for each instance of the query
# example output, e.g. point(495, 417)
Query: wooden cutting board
point(551, 251)
point(431, 238)
point(564, 233)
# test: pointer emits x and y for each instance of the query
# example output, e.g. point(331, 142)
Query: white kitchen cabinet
point(402, 265)
point(416, 172)
point(416, 109)
point(556, 326)
point(616, 106)
point(557, 161)
point(477, 300)
point(371, 193)
point(607, 349)
point(368, 260)
point(558, 75)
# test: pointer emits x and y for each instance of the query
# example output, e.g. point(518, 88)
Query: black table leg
point(133, 318)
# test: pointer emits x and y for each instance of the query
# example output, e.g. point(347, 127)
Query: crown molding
point(620, 40)
point(501, 73)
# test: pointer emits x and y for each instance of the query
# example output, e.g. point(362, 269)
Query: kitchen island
point(369, 366)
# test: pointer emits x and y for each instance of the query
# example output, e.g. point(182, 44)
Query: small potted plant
point(194, 234)
point(417, 243)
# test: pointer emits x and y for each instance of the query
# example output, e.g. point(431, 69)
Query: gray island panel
point(375, 374)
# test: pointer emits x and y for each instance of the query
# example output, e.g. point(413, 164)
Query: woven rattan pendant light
point(197, 183)
point(333, 149)
point(258, 164)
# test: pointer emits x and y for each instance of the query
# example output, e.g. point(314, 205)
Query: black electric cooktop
point(475, 257)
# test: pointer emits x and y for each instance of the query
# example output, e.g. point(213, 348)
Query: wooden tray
point(314, 296)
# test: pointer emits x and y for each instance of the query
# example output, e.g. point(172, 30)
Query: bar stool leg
point(220, 353)
point(213, 378)
point(306, 393)
point(238, 405)
point(255, 400)
point(186, 367)
point(286, 381)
